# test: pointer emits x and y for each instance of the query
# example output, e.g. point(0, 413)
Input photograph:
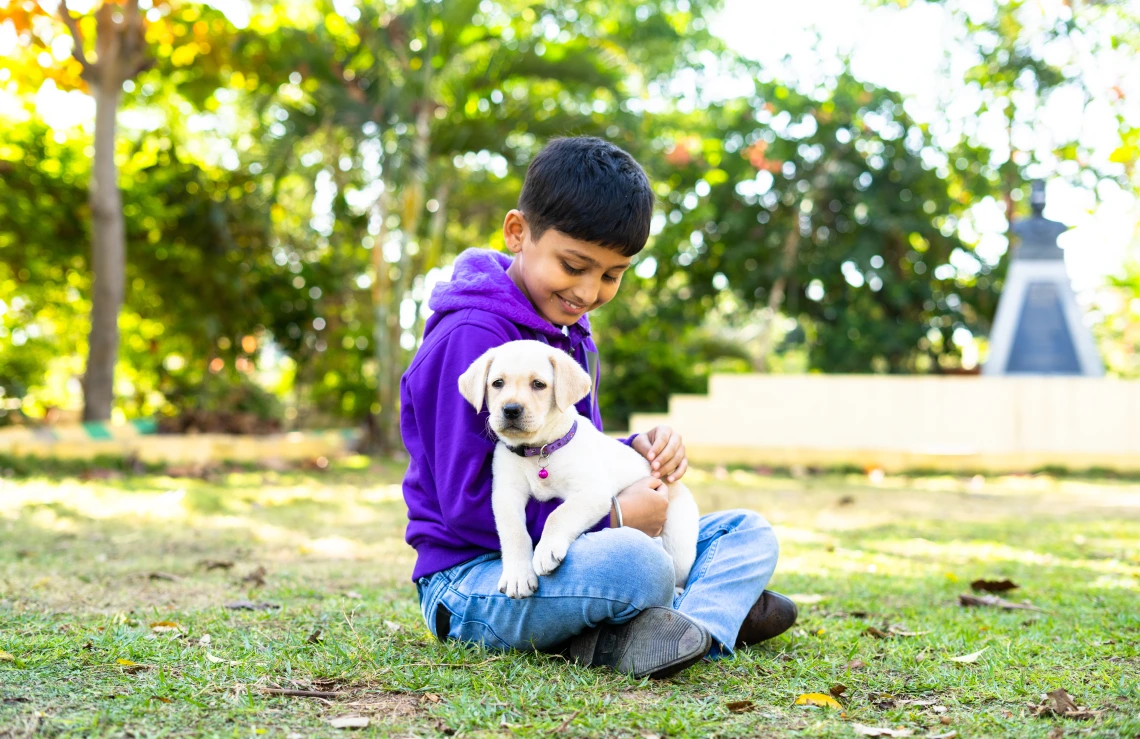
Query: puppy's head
point(527, 385)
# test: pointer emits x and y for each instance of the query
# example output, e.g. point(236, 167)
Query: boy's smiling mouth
point(570, 307)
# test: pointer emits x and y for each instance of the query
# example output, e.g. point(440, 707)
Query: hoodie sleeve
point(457, 444)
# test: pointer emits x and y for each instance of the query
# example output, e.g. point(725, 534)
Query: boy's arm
point(457, 441)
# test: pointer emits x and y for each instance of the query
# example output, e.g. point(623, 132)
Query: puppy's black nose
point(512, 411)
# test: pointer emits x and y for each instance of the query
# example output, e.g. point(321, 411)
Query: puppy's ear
point(473, 382)
point(571, 383)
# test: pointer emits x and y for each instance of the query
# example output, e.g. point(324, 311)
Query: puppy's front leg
point(508, 501)
point(580, 511)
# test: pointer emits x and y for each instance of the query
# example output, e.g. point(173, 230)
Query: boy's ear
point(473, 382)
point(571, 383)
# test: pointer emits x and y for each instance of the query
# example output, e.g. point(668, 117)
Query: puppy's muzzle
point(512, 411)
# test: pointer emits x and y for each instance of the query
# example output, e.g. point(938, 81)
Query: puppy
point(547, 450)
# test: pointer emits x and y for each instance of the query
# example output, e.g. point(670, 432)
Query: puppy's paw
point(518, 581)
point(549, 554)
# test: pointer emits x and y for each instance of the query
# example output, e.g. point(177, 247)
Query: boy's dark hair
point(589, 190)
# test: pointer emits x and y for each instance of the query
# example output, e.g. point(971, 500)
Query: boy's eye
point(571, 270)
point(538, 385)
point(610, 278)
point(497, 384)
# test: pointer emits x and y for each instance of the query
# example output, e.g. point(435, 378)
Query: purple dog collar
point(546, 449)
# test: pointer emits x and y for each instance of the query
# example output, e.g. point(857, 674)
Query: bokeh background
point(835, 184)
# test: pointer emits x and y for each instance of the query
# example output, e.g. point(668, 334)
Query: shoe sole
point(671, 621)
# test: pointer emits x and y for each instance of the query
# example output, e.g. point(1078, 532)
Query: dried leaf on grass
point(838, 690)
point(994, 586)
point(216, 564)
point(130, 666)
point(739, 706)
point(315, 637)
point(300, 693)
point(862, 730)
point(969, 658)
point(165, 627)
point(256, 578)
point(160, 699)
point(817, 699)
point(6, 657)
point(892, 630)
point(1060, 703)
point(163, 576)
point(350, 722)
point(248, 605)
point(965, 599)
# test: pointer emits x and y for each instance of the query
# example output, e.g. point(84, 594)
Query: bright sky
point(914, 52)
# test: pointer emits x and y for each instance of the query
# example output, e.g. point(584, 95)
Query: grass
point(87, 566)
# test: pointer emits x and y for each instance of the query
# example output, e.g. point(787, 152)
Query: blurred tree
point(383, 106)
point(824, 206)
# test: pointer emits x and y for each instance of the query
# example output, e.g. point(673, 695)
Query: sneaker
point(657, 643)
point(771, 615)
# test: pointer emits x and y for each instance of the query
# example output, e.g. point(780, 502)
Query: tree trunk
point(385, 421)
point(108, 261)
point(776, 298)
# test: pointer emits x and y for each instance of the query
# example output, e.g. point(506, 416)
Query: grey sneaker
point(658, 642)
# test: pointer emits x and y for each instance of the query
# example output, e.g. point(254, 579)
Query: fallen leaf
point(5, 657)
point(817, 699)
point(877, 633)
point(256, 578)
point(969, 658)
point(164, 576)
point(945, 720)
point(315, 637)
point(739, 706)
point(129, 666)
point(1056, 733)
point(160, 699)
point(994, 601)
point(433, 697)
point(350, 722)
point(392, 626)
point(947, 735)
point(126, 662)
point(216, 564)
point(204, 640)
point(1060, 703)
point(353, 594)
point(248, 605)
point(856, 664)
point(994, 586)
point(894, 631)
point(164, 627)
point(862, 730)
point(215, 660)
point(838, 690)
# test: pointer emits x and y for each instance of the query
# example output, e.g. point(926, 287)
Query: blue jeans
point(610, 576)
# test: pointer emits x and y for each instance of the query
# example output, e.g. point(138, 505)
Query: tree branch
point(76, 37)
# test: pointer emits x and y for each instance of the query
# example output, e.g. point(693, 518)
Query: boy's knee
point(632, 557)
point(750, 523)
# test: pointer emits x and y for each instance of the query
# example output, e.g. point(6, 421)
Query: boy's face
point(563, 278)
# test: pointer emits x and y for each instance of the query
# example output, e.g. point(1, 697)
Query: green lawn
point(89, 566)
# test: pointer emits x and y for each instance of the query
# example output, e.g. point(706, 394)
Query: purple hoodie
point(448, 483)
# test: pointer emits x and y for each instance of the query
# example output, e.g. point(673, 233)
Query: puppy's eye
point(538, 385)
point(497, 384)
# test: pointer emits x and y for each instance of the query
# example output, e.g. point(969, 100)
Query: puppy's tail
point(679, 537)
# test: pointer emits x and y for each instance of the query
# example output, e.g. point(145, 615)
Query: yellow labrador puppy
point(547, 450)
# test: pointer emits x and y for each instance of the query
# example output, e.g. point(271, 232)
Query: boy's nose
point(511, 411)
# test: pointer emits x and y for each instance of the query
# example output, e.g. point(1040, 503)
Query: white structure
point(1038, 328)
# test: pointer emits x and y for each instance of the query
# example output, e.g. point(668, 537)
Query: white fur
point(585, 474)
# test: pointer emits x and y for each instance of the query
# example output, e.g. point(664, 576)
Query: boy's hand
point(662, 446)
point(644, 505)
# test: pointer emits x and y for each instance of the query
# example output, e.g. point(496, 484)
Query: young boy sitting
point(583, 213)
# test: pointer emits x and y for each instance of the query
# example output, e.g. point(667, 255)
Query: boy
point(584, 211)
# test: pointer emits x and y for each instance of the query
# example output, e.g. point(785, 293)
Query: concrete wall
point(898, 423)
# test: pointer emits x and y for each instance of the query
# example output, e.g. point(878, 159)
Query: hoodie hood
point(480, 280)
